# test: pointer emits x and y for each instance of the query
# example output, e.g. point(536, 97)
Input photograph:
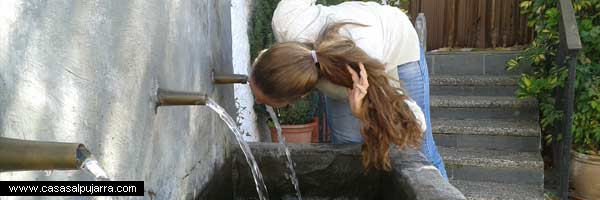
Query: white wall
point(240, 13)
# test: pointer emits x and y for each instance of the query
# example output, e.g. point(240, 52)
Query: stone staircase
point(489, 140)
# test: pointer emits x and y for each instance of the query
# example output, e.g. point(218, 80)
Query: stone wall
point(87, 72)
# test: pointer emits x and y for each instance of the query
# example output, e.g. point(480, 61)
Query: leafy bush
point(547, 78)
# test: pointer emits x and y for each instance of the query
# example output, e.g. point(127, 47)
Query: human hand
point(357, 94)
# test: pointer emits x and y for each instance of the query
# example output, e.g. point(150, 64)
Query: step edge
point(462, 160)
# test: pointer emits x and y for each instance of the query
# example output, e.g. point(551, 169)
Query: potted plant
point(299, 123)
point(585, 156)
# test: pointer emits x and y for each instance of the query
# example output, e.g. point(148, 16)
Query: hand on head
point(357, 94)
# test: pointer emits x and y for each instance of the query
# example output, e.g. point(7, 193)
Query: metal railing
point(569, 46)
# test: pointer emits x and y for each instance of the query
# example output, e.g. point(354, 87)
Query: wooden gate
point(473, 23)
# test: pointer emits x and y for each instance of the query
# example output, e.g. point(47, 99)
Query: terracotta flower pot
point(585, 175)
point(302, 133)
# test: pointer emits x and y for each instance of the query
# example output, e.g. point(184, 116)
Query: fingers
point(360, 84)
point(363, 75)
point(363, 79)
point(361, 88)
point(353, 74)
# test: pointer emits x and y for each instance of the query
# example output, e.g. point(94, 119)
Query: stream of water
point(261, 189)
point(290, 163)
point(91, 166)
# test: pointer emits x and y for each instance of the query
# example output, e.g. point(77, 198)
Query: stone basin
point(328, 171)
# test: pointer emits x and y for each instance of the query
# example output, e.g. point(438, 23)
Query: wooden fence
point(472, 23)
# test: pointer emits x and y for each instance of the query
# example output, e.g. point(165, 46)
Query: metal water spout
point(168, 97)
point(26, 155)
point(229, 78)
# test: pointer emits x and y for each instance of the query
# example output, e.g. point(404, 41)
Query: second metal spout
point(230, 78)
point(23, 155)
point(180, 98)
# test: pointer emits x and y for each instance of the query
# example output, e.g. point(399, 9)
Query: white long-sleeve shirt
point(389, 36)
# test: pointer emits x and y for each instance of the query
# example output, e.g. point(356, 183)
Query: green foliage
point(548, 77)
point(301, 111)
point(261, 35)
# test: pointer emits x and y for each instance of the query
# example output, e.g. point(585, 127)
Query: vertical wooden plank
point(491, 19)
point(487, 19)
point(435, 21)
point(450, 22)
point(460, 23)
point(505, 23)
point(514, 17)
point(413, 9)
point(481, 17)
point(440, 8)
point(500, 22)
point(472, 26)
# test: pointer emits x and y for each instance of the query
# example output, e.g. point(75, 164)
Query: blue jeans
point(345, 128)
point(415, 78)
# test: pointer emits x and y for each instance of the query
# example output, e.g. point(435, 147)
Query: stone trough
point(330, 172)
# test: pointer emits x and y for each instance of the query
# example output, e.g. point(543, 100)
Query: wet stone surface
point(335, 172)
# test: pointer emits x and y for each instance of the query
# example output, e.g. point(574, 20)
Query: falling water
point(91, 166)
point(48, 172)
point(258, 179)
point(290, 163)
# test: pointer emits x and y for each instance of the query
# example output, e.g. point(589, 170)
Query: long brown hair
point(287, 71)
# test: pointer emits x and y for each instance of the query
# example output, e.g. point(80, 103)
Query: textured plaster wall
point(240, 15)
point(87, 71)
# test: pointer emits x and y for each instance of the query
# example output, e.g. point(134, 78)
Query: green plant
point(547, 77)
point(302, 111)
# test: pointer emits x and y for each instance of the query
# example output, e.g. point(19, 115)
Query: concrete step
point(480, 102)
point(485, 127)
point(500, 143)
point(473, 80)
point(487, 134)
point(483, 107)
point(478, 85)
point(475, 190)
point(475, 164)
point(472, 63)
